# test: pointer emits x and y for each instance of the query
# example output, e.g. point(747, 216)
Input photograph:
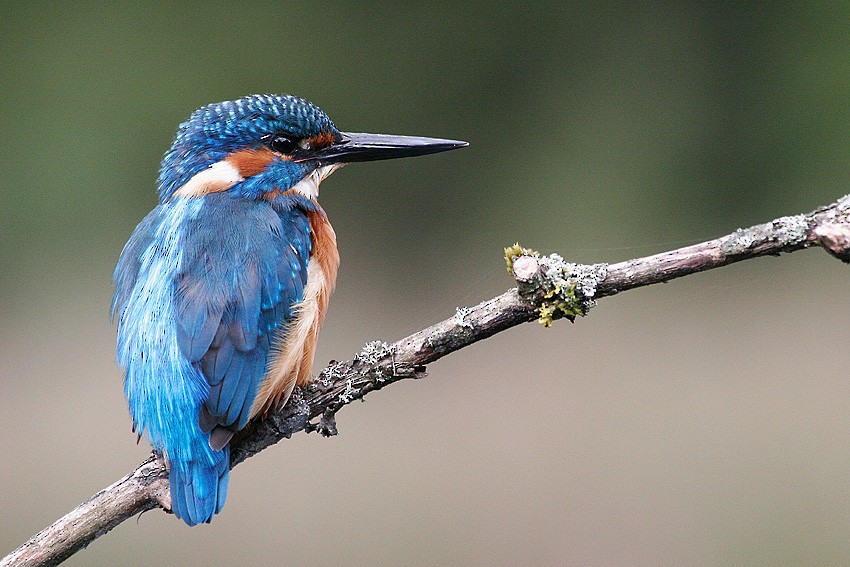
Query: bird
point(222, 288)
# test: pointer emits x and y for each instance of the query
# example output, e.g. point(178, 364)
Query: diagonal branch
point(548, 288)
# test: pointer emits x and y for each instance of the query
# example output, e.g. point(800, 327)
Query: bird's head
point(261, 146)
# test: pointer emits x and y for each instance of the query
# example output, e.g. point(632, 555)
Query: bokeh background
point(702, 422)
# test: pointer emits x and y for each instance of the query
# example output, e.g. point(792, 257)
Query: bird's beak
point(370, 147)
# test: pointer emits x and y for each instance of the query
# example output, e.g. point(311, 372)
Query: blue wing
point(201, 288)
point(244, 267)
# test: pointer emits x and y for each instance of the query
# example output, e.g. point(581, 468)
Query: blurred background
point(703, 422)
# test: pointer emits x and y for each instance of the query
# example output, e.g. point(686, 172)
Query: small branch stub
point(525, 268)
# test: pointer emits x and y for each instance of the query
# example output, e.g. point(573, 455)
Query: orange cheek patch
point(251, 162)
point(322, 140)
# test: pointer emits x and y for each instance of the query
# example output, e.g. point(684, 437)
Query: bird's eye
point(283, 144)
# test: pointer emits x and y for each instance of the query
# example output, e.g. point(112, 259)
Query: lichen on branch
point(558, 288)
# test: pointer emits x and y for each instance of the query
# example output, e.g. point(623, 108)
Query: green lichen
point(546, 313)
point(562, 299)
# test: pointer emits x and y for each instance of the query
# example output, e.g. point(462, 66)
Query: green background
point(701, 422)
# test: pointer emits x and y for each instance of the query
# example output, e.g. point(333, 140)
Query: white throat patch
point(309, 186)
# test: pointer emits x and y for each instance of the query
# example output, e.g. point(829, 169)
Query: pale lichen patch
point(791, 230)
point(459, 318)
point(787, 231)
point(335, 371)
point(739, 241)
point(373, 352)
point(348, 394)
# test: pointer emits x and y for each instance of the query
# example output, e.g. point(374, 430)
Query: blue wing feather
point(222, 394)
point(247, 380)
point(215, 362)
point(196, 330)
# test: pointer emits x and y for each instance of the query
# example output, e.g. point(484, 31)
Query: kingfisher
point(222, 288)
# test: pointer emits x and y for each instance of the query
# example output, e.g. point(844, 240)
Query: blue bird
point(222, 288)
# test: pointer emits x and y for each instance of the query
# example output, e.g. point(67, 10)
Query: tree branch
point(548, 288)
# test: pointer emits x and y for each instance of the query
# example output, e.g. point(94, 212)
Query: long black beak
point(370, 147)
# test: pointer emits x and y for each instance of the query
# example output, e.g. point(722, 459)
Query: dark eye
point(282, 144)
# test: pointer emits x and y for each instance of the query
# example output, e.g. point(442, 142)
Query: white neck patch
point(220, 176)
point(309, 186)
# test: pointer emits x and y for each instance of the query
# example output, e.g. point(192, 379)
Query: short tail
point(199, 488)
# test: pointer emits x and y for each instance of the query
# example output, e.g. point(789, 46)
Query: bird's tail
point(199, 487)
